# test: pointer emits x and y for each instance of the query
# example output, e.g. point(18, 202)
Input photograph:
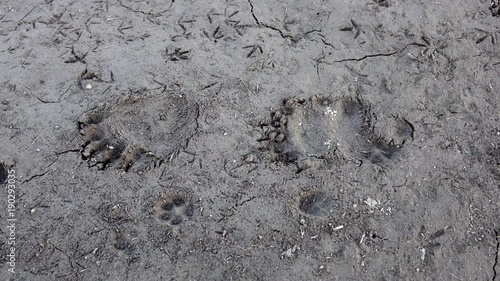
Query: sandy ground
point(250, 140)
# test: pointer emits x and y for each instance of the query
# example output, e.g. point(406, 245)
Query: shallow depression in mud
point(325, 128)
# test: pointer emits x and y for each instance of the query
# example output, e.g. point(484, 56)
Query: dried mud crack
point(3, 173)
point(497, 253)
point(260, 23)
point(373, 55)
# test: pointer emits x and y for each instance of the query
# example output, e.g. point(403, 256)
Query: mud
point(250, 140)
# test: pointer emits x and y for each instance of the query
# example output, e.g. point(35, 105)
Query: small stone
point(272, 136)
point(289, 253)
point(251, 158)
point(88, 87)
point(371, 202)
point(280, 138)
point(283, 120)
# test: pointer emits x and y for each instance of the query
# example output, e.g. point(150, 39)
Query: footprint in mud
point(174, 209)
point(139, 132)
point(315, 203)
point(121, 243)
point(321, 128)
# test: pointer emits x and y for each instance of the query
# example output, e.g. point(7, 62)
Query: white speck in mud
point(328, 144)
point(371, 202)
point(337, 228)
point(332, 113)
point(88, 87)
point(289, 253)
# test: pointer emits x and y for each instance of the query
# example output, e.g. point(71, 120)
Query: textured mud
point(251, 140)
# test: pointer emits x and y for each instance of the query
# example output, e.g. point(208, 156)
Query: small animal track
point(122, 243)
point(323, 127)
point(140, 132)
point(315, 203)
point(174, 209)
point(178, 54)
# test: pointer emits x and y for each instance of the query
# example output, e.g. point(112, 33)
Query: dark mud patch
point(315, 203)
point(138, 132)
point(493, 159)
point(3, 173)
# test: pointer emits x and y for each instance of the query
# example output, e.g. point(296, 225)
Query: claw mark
point(181, 23)
point(353, 27)
point(233, 14)
point(254, 48)
point(211, 14)
point(216, 34)
point(121, 28)
point(209, 86)
point(178, 54)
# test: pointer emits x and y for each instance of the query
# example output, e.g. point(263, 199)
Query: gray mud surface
point(251, 139)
